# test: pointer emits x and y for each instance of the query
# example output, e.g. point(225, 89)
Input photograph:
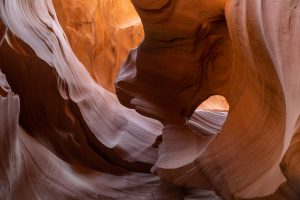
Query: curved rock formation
point(251, 82)
point(101, 33)
point(65, 135)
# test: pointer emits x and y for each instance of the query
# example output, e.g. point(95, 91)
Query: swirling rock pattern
point(65, 135)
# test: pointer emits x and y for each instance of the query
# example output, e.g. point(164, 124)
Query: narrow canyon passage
point(141, 99)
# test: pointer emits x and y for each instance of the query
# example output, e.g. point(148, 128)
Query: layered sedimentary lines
point(65, 135)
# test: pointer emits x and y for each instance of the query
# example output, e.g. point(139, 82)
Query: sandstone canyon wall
point(141, 99)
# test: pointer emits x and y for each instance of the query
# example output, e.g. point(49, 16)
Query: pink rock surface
point(165, 99)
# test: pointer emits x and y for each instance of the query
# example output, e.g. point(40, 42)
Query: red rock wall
point(65, 135)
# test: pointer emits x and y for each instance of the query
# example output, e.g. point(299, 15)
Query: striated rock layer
point(212, 96)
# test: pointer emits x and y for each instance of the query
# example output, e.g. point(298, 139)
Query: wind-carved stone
point(191, 52)
point(63, 136)
point(185, 58)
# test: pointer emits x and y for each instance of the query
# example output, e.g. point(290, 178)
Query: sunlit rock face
point(215, 102)
point(141, 99)
point(101, 33)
